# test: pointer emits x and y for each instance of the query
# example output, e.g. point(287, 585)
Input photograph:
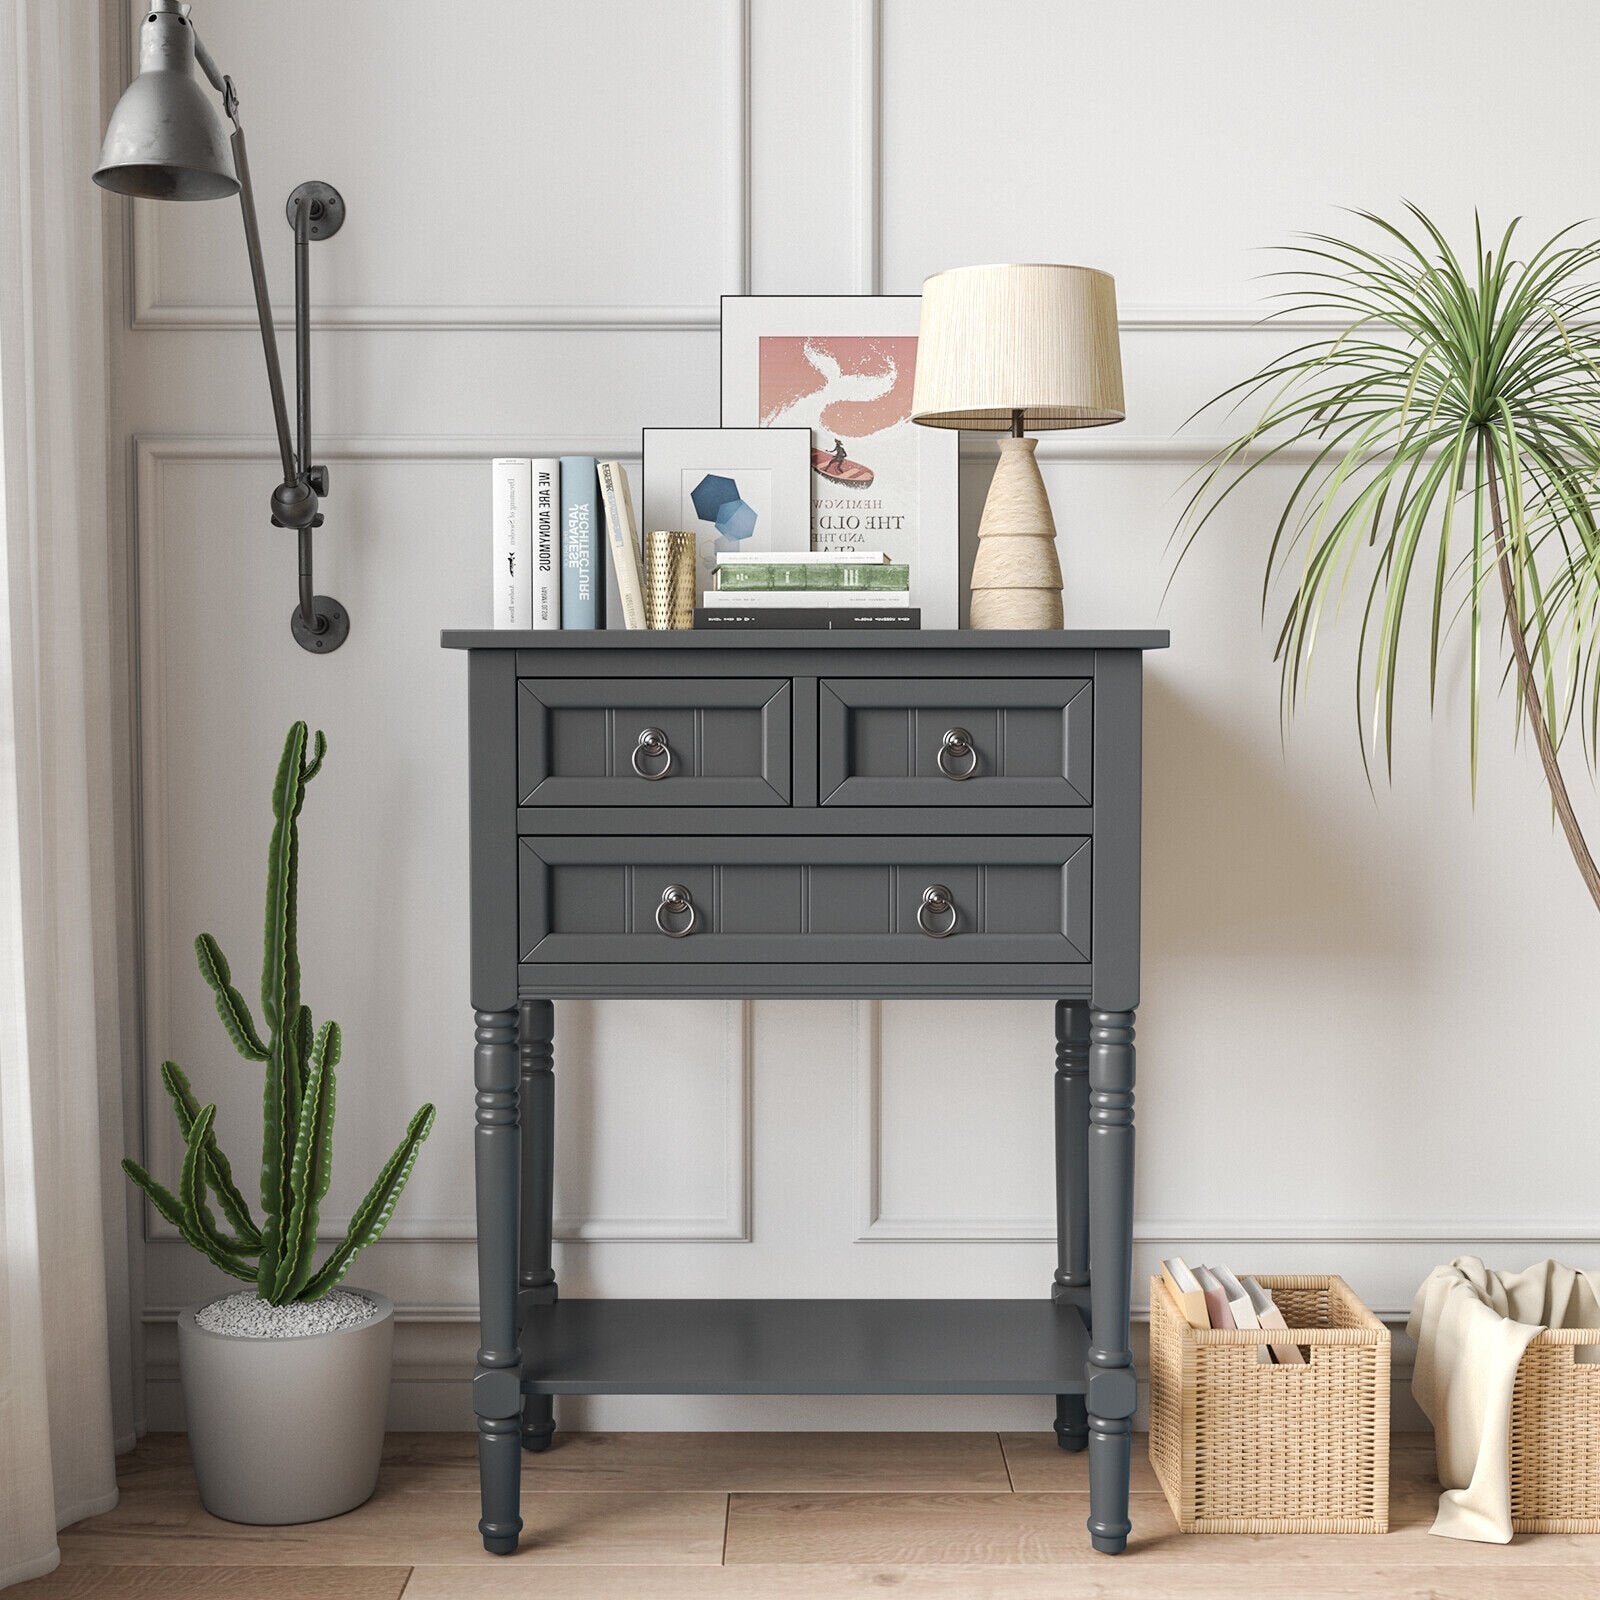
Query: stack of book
point(566, 551)
point(808, 589)
point(1212, 1297)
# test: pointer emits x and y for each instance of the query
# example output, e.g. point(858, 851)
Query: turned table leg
point(1072, 1191)
point(537, 1118)
point(497, 1388)
point(1112, 1387)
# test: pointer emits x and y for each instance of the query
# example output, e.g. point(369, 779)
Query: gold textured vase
point(669, 580)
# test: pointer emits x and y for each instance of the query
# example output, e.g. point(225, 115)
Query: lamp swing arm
point(316, 210)
point(296, 502)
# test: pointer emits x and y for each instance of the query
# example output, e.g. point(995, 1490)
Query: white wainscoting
point(452, 190)
point(1367, 1034)
point(618, 1179)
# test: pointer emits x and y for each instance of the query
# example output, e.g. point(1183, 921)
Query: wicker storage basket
point(1555, 1436)
point(1245, 1447)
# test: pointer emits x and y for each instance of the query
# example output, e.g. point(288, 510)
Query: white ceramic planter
point(287, 1429)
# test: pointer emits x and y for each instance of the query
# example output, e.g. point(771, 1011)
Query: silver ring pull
point(957, 745)
point(652, 746)
point(937, 901)
point(675, 902)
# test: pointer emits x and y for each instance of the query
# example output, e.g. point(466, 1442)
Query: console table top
point(806, 639)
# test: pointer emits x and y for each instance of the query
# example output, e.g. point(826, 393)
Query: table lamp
point(1004, 349)
point(165, 141)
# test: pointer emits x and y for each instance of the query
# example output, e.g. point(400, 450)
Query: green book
point(743, 575)
point(881, 575)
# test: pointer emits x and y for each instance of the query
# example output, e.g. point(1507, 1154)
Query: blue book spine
point(583, 580)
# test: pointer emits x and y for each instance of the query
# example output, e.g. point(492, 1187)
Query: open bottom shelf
point(804, 1347)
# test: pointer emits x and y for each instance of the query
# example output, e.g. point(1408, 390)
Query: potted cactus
point(285, 1385)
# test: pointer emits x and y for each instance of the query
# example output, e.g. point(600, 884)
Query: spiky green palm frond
point(1451, 379)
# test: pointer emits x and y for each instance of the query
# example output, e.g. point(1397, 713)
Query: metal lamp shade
point(166, 139)
point(1039, 340)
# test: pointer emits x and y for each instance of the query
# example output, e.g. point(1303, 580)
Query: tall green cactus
point(297, 1107)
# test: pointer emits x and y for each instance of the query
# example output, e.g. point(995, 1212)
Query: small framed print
point(843, 366)
point(736, 489)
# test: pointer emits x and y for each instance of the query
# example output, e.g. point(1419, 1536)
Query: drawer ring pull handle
point(937, 901)
point(957, 745)
point(652, 746)
point(675, 902)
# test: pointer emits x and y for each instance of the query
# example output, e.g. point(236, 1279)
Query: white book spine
point(623, 541)
point(546, 573)
point(786, 558)
point(840, 599)
point(513, 542)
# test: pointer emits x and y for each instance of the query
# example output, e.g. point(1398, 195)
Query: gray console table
point(819, 814)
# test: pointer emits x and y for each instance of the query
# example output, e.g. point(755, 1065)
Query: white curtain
point(64, 1328)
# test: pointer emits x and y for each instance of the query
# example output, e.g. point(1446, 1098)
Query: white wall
point(1367, 1043)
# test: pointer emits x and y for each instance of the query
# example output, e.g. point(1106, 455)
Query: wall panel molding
point(868, 112)
point(150, 310)
point(869, 217)
point(1314, 1232)
point(153, 456)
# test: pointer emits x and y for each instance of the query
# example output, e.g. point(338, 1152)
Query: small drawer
point(662, 742)
point(956, 742)
point(774, 899)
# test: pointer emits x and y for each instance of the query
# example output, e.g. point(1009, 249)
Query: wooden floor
point(958, 1516)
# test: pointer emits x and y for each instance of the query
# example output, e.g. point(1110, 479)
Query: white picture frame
point(837, 363)
point(770, 470)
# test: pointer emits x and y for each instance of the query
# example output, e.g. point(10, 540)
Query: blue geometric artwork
point(736, 519)
point(712, 493)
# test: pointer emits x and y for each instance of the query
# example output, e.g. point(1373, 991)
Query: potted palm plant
point(1453, 435)
point(285, 1384)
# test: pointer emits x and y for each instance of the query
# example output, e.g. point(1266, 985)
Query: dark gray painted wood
point(1072, 1190)
point(805, 746)
point(491, 813)
point(1118, 724)
point(536, 1118)
point(835, 661)
point(836, 820)
point(781, 640)
point(496, 1397)
point(727, 742)
point(881, 738)
point(884, 980)
point(805, 1347)
point(813, 899)
point(598, 899)
point(1112, 1391)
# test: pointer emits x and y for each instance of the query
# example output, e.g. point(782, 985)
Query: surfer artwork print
point(843, 366)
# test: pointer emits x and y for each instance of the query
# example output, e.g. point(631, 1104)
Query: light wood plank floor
point(955, 1516)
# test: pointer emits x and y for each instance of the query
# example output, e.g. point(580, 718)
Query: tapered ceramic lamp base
point(1016, 579)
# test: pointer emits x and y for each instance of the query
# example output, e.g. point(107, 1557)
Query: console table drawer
point(955, 742)
point(763, 899)
point(653, 741)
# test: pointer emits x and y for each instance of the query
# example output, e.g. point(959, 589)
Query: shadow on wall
point(1240, 860)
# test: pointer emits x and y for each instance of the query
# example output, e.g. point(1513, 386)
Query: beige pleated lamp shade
point(1037, 339)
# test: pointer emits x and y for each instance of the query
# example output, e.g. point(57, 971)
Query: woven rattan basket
point(1555, 1436)
point(1242, 1447)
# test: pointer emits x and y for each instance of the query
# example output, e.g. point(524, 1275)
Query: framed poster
point(741, 489)
point(843, 366)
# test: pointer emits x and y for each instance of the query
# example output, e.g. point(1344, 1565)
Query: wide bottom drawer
point(766, 899)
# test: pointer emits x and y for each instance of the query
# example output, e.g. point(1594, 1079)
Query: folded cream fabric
point(1472, 1326)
